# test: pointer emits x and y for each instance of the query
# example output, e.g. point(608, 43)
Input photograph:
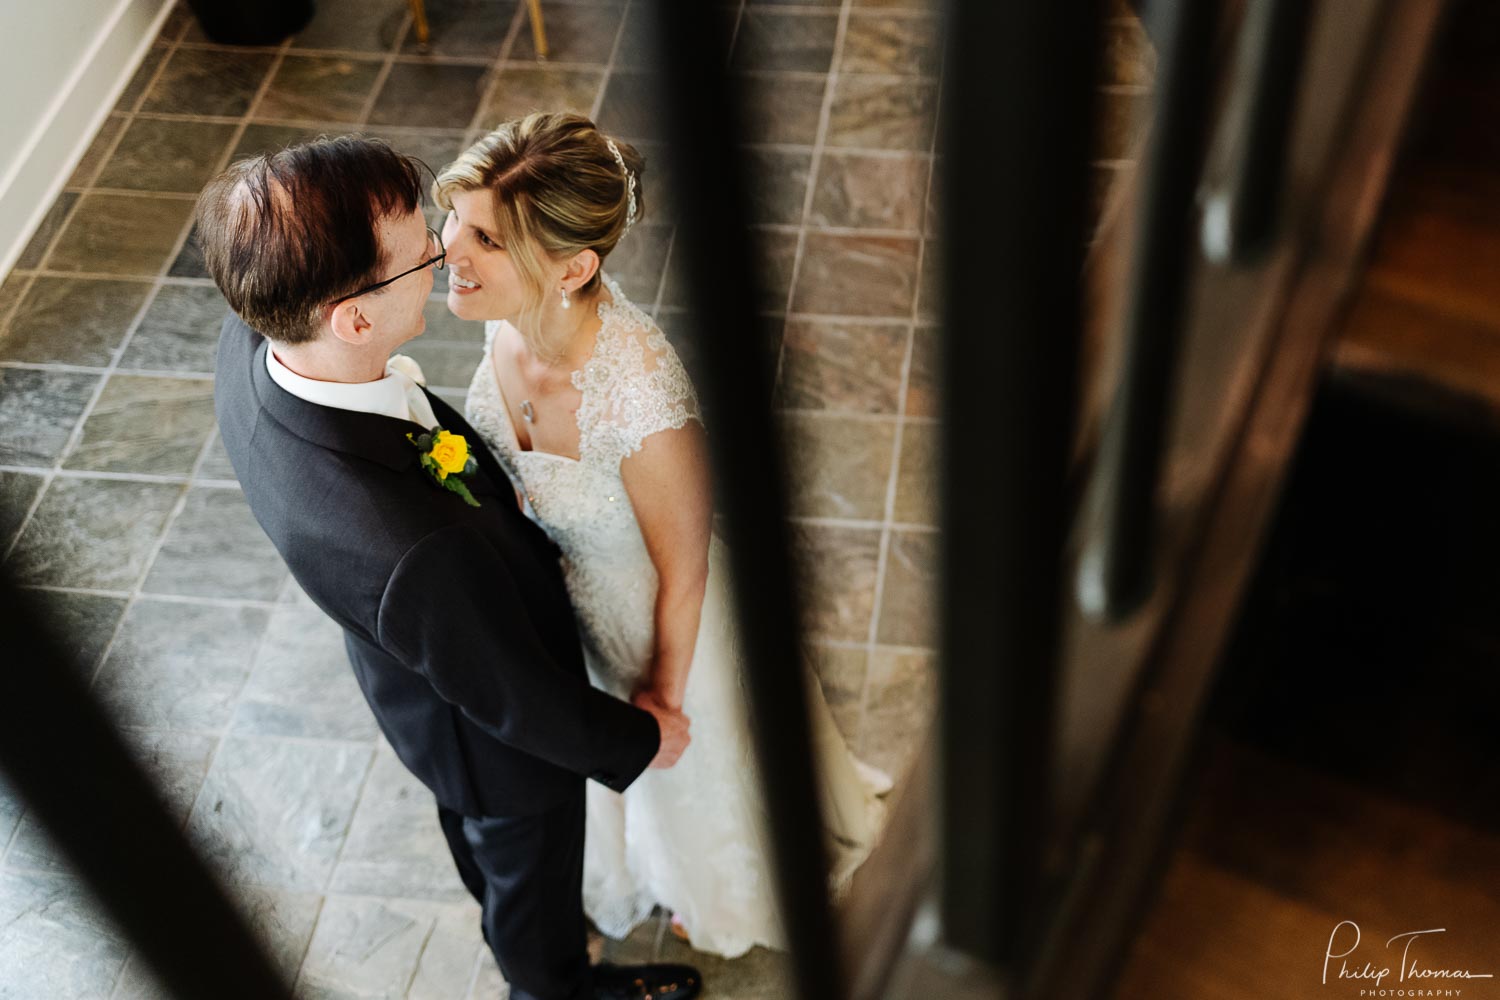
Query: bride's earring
point(566, 303)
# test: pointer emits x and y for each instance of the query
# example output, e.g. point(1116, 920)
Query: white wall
point(64, 64)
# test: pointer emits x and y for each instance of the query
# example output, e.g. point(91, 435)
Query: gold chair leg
point(538, 30)
point(419, 19)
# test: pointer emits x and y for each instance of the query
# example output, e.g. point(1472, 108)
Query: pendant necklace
point(527, 412)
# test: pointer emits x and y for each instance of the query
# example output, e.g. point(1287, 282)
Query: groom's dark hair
point(286, 234)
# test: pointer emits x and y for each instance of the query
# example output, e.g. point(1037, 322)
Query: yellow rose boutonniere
point(446, 458)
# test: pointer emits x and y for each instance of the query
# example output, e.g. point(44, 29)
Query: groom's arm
point(453, 613)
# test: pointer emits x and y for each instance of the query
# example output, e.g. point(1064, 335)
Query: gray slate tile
point(93, 157)
point(576, 33)
point(301, 683)
point(902, 704)
point(91, 533)
point(180, 331)
point(180, 666)
point(366, 948)
point(54, 945)
point(274, 813)
point(216, 462)
point(83, 624)
point(466, 28)
point(215, 548)
point(146, 424)
point(429, 94)
point(779, 40)
point(160, 155)
point(519, 90)
point(319, 88)
point(38, 410)
point(395, 847)
point(208, 82)
point(17, 491)
point(11, 810)
point(120, 234)
point(71, 321)
point(141, 79)
point(353, 25)
point(46, 230)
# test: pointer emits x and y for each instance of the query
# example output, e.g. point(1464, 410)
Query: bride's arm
point(669, 486)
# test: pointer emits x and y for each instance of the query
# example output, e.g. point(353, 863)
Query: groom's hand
point(673, 725)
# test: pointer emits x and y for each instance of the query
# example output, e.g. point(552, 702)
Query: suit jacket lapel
point(374, 436)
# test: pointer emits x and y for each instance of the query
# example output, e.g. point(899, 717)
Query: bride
point(589, 409)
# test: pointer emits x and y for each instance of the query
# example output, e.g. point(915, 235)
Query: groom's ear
point(348, 323)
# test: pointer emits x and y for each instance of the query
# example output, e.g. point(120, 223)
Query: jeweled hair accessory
point(629, 184)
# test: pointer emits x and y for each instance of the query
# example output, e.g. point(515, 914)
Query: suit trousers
point(527, 874)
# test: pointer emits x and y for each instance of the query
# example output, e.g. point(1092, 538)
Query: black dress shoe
point(646, 982)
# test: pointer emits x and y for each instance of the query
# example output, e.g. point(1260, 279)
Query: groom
point(455, 616)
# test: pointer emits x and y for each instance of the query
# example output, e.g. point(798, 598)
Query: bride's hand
point(672, 724)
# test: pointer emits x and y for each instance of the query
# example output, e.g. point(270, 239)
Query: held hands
point(672, 723)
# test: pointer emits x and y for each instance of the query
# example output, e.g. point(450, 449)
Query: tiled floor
point(116, 498)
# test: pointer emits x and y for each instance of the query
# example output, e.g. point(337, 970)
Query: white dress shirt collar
point(396, 395)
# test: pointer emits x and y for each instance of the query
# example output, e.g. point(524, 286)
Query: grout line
point(135, 592)
point(24, 281)
point(140, 193)
point(609, 67)
point(83, 591)
point(85, 275)
point(416, 965)
point(478, 123)
point(103, 475)
point(385, 69)
point(890, 525)
point(120, 976)
point(508, 44)
point(76, 434)
point(373, 750)
point(820, 140)
point(58, 366)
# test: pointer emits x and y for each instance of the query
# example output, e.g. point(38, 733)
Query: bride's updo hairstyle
point(557, 188)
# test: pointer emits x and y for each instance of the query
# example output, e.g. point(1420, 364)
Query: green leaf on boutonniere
point(456, 485)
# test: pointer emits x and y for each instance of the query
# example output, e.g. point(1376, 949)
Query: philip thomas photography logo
point(1415, 975)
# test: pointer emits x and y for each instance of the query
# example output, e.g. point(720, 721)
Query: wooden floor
point(1278, 855)
point(1352, 768)
point(1425, 328)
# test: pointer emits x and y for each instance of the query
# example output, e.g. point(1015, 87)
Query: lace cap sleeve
point(633, 387)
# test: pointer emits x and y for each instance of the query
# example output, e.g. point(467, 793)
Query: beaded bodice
point(632, 386)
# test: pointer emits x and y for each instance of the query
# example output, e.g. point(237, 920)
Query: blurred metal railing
point(78, 778)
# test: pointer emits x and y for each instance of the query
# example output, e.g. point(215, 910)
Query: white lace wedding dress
point(690, 837)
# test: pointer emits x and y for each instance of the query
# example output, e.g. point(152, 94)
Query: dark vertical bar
point(1239, 216)
point(1017, 115)
point(1115, 573)
point(703, 115)
point(62, 754)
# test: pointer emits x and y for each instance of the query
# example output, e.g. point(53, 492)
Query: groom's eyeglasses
point(439, 255)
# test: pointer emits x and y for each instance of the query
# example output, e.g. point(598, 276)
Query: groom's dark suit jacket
point(456, 618)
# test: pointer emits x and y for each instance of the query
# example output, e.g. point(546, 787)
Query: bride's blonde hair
point(557, 190)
